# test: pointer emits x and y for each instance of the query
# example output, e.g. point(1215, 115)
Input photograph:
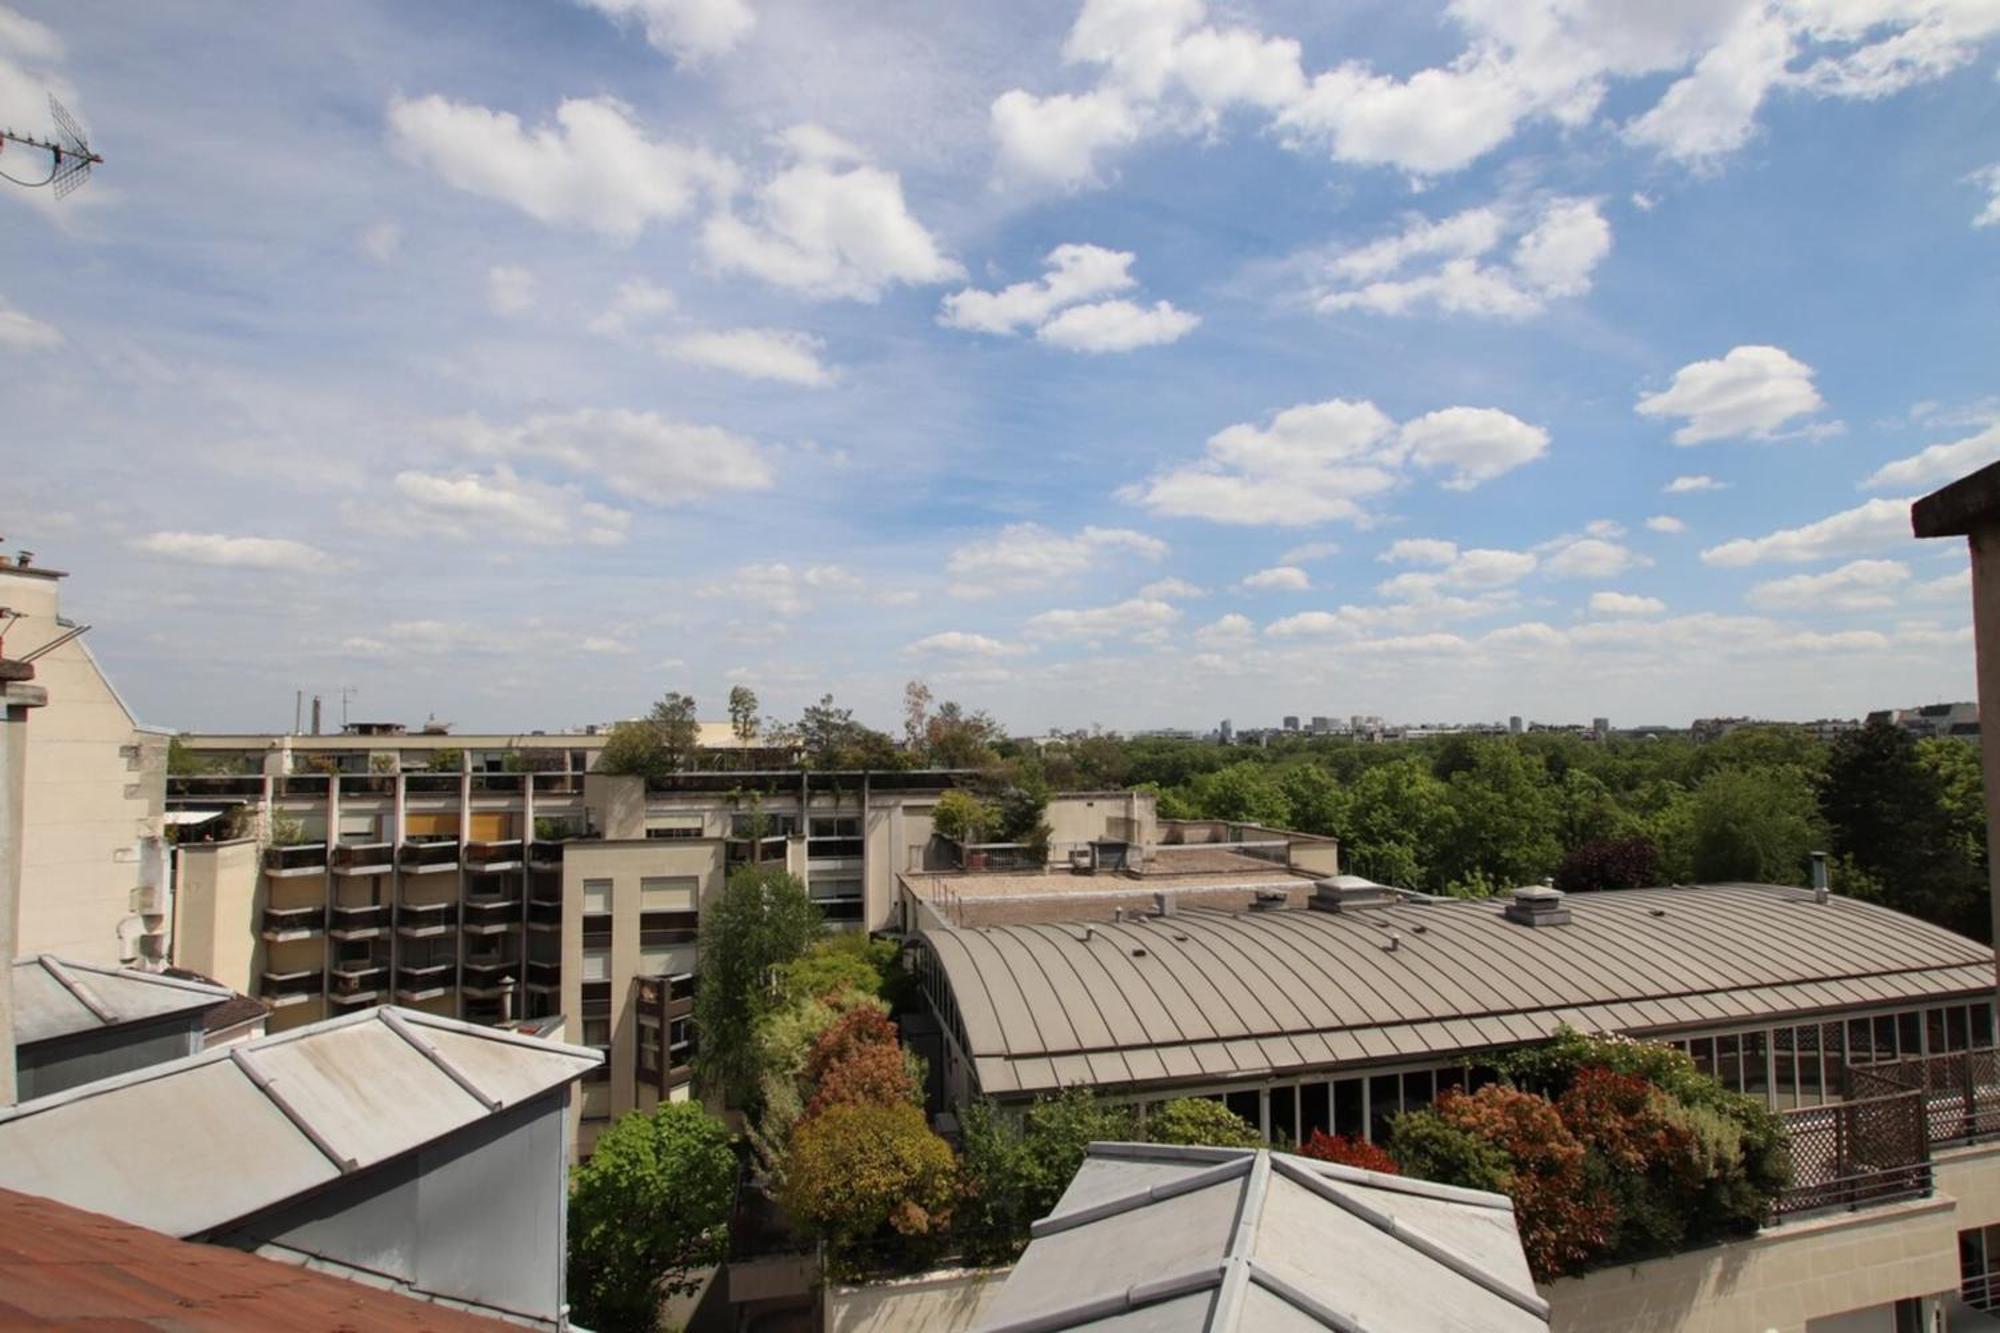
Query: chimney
point(1163, 904)
point(315, 730)
point(1537, 905)
point(506, 999)
point(1819, 880)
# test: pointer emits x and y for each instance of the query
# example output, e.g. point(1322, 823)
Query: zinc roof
point(1170, 1239)
point(1206, 995)
point(54, 998)
point(191, 1145)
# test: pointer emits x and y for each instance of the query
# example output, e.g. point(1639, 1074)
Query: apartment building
point(499, 879)
point(93, 865)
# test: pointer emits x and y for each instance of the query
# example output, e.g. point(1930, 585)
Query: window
point(1728, 1063)
point(1785, 1090)
point(596, 897)
point(762, 825)
point(1756, 1069)
point(666, 960)
point(1249, 1105)
point(1347, 1114)
point(597, 964)
point(1284, 1115)
point(1315, 1110)
point(836, 826)
point(835, 888)
point(597, 1032)
point(1978, 1260)
point(669, 893)
point(673, 826)
point(1909, 1035)
point(1384, 1101)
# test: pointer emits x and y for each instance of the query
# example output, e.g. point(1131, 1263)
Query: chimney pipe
point(506, 999)
point(315, 715)
point(1819, 880)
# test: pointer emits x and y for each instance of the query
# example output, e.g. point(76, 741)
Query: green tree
point(1199, 1122)
point(1398, 815)
point(954, 738)
point(760, 921)
point(1753, 824)
point(650, 1206)
point(1016, 1169)
point(1886, 811)
point(1504, 817)
point(1317, 802)
point(664, 742)
point(866, 1175)
point(680, 733)
point(830, 738)
point(963, 817)
point(1244, 791)
point(743, 713)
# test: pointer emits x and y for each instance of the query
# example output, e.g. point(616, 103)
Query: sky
point(1121, 363)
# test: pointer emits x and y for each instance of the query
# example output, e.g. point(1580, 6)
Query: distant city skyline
point(1097, 364)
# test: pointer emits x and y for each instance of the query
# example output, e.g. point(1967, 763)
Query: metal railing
point(302, 784)
point(367, 784)
point(284, 920)
point(981, 857)
point(430, 784)
point(498, 783)
point(486, 911)
point(239, 786)
point(359, 980)
point(558, 784)
point(299, 856)
point(367, 916)
point(275, 985)
point(366, 858)
point(1961, 1091)
point(423, 916)
point(1855, 1154)
point(439, 855)
point(501, 855)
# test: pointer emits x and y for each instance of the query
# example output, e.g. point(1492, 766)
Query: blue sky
point(1130, 362)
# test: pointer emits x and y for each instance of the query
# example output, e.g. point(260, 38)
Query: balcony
point(367, 784)
point(358, 983)
point(498, 784)
point(423, 981)
point(544, 976)
point(364, 858)
point(218, 786)
point(428, 858)
point(306, 858)
point(755, 851)
point(430, 784)
point(545, 913)
point(284, 988)
point(312, 785)
point(359, 923)
point(491, 857)
point(424, 920)
point(836, 849)
point(558, 784)
point(487, 977)
point(293, 923)
point(490, 915)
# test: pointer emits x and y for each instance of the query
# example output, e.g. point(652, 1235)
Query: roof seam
point(268, 1086)
point(69, 982)
point(398, 1025)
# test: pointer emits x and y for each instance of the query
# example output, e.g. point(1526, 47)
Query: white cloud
point(641, 455)
point(1058, 139)
point(594, 168)
point(1867, 527)
point(1937, 464)
point(22, 332)
point(1025, 556)
point(758, 354)
point(1862, 585)
point(1750, 392)
point(510, 289)
point(1227, 631)
point(380, 241)
point(1711, 111)
point(1474, 444)
point(1444, 265)
point(1625, 604)
point(1690, 485)
point(1139, 619)
point(497, 506)
point(1171, 589)
point(1666, 523)
point(829, 225)
point(1988, 178)
point(1592, 558)
point(959, 643)
point(1604, 527)
point(1307, 552)
point(637, 301)
point(1476, 568)
point(780, 588)
point(1950, 588)
point(688, 30)
point(600, 645)
point(1117, 326)
point(215, 548)
point(1279, 578)
point(1420, 551)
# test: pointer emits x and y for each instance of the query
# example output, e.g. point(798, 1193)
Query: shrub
point(963, 817)
point(1200, 1122)
point(848, 961)
point(1637, 1153)
point(1016, 1169)
point(1429, 1147)
point(861, 1175)
point(784, 1038)
point(1355, 1152)
point(1610, 863)
point(1564, 1221)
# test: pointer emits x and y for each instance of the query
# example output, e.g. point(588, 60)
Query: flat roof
point(55, 998)
point(1205, 996)
point(189, 1146)
point(61, 1266)
point(1169, 1238)
point(1063, 883)
point(1955, 510)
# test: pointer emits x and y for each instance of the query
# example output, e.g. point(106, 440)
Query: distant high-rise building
point(1291, 722)
point(1321, 725)
point(1226, 732)
point(1600, 727)
point(1514, 724)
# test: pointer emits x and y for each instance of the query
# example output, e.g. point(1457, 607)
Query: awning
point(188, 817)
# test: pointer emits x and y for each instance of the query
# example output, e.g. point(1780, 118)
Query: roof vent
point(1819, 880)
point(1351, 893)
point(1268, 900)
point(1538, 905)
point(1393, 943)
point(1163, 904)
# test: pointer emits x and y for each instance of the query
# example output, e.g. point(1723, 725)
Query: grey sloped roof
point(1165, 1239)
point(191, 1145)
point(54, 998)
point(1205, 995)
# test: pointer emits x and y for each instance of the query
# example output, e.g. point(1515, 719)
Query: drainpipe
point(1819, 881)
point(17, 696)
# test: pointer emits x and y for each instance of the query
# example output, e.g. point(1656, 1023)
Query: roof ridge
point(82, 994)
point(397, 1024)
point(1125, 1203)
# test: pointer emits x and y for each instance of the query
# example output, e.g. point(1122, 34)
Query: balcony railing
point(414, 980)
point(754, 851)
point(545, 912)
point(424, 918)
point(302, 785)
point(493, 856)
point(367, 784)
point(305, 858)
point(218, 786)
point(364, 858)
point(975, 857)
point(422, 858)
point(489, 976)
point(1961, 1091)
point(355, 982)
point(829, 849)
point(289, 987)
point(294, 922)
point(558, 784)
point(544, 975)
point(497, 783)
point(1856, 1154)
point(491, 913)
point(359, 922)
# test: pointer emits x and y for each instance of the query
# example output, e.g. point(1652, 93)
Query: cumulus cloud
point(1420, 551)
point(781, 588)
point(510, 289)
point(757, 354)
point(1138, 619)
point(1866, 527)
point(1666, 523)
point(22, 332)
point(960, 643)
point(1451, 567)
point(1592, 558)
point(1025, 556)
point(1307, 552)
point(1061, 307)
point(1862, 585)
point(1321, 462)
point(688, 30)
point(1749, 393)
point(1232, 630)
point(274, 554)
point(1172, 589)
point(1058, 138)
point(1455, 265)
point(830, 225)
point(1988, 178)
point(641, 455)
point(594, 168)
point(603, 645)
point(498, 505)
point(637, 301)
point(1937, 464)
point(1691, 485)
point(1625, 604)
point(1279, 578)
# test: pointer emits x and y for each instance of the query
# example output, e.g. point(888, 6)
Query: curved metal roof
point(1207, 995)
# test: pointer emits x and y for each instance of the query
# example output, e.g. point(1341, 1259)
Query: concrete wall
point(216, 906)
point(480, 1216)
point(946, 1302)
point(96, 787)
point(50, 1066)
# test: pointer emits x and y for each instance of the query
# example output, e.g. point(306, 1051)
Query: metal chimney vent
point(1351, 893)
point(1538, 905)
point(1163, 904)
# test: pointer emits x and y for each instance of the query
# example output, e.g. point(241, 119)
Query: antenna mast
point(69, 152)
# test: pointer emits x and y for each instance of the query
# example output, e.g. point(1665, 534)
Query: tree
point(861, 1174)
point(1610, 863)
point(680, 733)
point(1564, 1222)
point(962, 816)
point(1244, 791)
point(651, 1205)
point(1316, 800)
point(954, 738)
point(1016, 1170)
point(760, 921)
point(1200, 1122)
point(831, 739)
point(1753, 824)
point(854, 1031)
point(1430, 1147)
point(879, 1073)
point(1886, 811)
point(1505, 818)
point(662, 743)
point(743, 713)
point(847, 961)
point(916, 715)
point(1358, 1153)
point(1398, 815)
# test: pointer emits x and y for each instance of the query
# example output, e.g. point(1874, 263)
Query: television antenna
point(70, 156)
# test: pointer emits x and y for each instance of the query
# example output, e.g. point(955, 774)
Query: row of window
point(657, 893)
